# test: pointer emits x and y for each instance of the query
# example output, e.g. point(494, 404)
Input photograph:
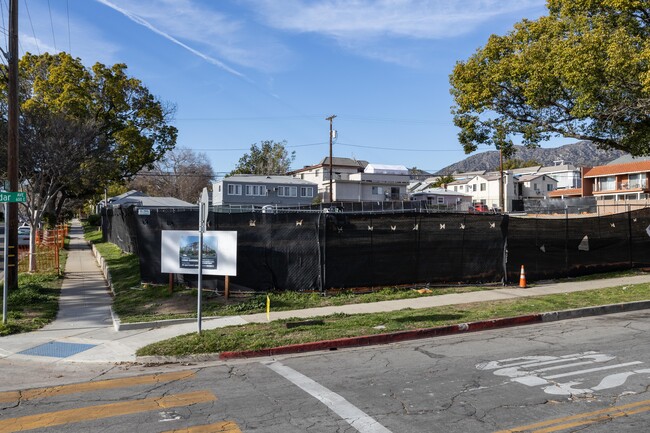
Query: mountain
point(580, 154)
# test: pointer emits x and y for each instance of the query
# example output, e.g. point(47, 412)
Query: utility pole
point(331, 118)
point(501, 187)
point(11, 237)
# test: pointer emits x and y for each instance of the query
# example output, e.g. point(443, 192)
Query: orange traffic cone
point(522, 278)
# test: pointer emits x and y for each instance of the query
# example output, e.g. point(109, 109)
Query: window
point(306, 191)
point(441, 200)
point(607, 183)
point(255, 190)
point(483, 187)
point(549, 187)
point(287, 191)
point(234, 189)
point(637, 180)
point(474, 187)
point(219, 188)
point(455, 188)
point(377, 190)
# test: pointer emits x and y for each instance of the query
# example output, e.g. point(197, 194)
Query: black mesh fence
point(312, 251)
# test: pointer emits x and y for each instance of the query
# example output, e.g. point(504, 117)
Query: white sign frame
point(224, 243)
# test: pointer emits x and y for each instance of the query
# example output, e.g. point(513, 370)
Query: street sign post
point(8, 197)
point(204, 204)
point(13, 197)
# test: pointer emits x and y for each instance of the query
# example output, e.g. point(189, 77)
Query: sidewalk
point(84, 331)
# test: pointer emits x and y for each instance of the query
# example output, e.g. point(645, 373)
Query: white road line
point(590, 370)
point(343, 408)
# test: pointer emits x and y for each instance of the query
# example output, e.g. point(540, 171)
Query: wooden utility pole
point(331, 194)
point(12, 147)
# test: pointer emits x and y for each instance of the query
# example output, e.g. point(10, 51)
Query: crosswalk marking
point(220, 427)
point(30, 394)
point(591, 370)
point(104, 411)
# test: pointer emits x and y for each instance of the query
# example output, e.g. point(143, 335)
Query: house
point(357, 181)
point(140, 199)
point(536, 186)
point(568, 176)
point(485, 190)
point(256, 190)
point(618, 182)
point(319, 174)
point(443, 198)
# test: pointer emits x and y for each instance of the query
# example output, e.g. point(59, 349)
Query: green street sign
point(13, 197)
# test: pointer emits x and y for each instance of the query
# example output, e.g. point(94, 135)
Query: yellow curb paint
point(35, 393)
point(90, 413)
point(585, 418)
point(220, 427)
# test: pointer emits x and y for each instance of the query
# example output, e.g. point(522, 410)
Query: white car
point(23, 236)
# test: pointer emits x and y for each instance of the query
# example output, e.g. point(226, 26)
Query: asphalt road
point(577, 375)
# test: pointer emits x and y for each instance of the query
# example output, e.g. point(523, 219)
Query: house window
point(607, 183)
point(483, 187)
point(636, 180)
point(455, 188)
point(441, 200)
point(234, 189)
point(219, 188)
point(306, 191)
point(288, 191)
point(377, 190)
point(549, 187)
point(255, 190)
point(474, 187)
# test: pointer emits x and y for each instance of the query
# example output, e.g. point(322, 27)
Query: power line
point(67, 11)
point(52, 25)
point(32, 26)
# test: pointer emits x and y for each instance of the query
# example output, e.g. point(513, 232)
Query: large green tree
point(268, 158)
point(582, 71)
point(82, 128)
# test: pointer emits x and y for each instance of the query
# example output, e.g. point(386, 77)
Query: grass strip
point(35, 302)
point(273, 334)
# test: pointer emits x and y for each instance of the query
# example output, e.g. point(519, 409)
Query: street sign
point(13, 197)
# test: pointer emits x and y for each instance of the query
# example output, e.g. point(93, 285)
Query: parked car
point(23, 236)
point(479, 208)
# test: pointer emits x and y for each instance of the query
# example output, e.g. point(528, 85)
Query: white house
point(441, 197)
point(254, 190)
point(536, 186)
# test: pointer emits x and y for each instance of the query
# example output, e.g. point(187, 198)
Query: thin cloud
point(368, 19)
point(143, 22)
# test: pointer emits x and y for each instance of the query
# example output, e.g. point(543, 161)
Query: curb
point(395, 337)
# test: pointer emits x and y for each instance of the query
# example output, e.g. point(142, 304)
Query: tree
point(267, 159)
point(442, 181)
point(81, 129)
point(582, 71)
point(181, 173)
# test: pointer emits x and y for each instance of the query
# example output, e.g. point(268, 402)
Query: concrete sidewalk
point(84, 330)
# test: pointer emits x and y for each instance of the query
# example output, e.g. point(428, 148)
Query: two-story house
point(536, 186)
point(319, 174)
point(618, 182)
point(253, 190)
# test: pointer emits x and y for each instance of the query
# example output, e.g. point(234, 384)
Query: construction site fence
point(309, 251)
point(49, 242)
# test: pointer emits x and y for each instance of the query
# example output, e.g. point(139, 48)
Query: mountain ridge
point(579, 154)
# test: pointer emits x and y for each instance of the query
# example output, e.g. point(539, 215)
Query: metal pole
point(11, 215)
point(5, 291)
point(331, 195)
point(200, 271)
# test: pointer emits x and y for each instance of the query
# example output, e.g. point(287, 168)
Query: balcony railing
point(621, 186)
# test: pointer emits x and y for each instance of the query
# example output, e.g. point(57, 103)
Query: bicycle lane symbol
point(547, 371)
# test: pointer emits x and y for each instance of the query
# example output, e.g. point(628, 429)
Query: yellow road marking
point(585, 418)
point(103, 411)
point(31, 394)
point(220, 427)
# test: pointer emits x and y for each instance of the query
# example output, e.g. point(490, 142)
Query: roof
point(386, 169)
point(565, 192)
point(138, 198)
point(525, 170)
point(529, 177)
point(132, 193)
point(253, 178)
point(558, 168)
point(626, 168)
point(336, 162)
point(461, 181)
point(441, 191)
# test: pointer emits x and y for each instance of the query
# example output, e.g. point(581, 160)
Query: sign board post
point(203, 221)
point(8, 197)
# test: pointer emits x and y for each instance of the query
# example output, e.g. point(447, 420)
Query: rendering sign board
point(180, 252)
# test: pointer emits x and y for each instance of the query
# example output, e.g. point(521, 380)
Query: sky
point(242, 71)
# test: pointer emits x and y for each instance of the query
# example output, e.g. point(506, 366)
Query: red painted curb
point(368, 340)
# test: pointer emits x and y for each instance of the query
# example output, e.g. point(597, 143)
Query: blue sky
point(242, 71)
